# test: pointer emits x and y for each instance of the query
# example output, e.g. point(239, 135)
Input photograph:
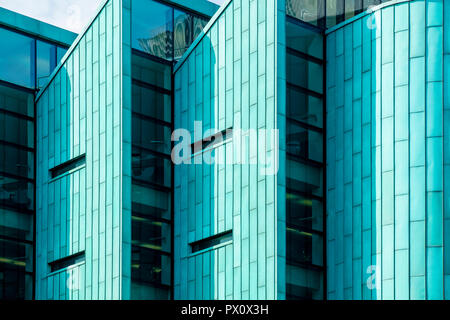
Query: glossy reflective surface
point(304, 165)
point(327, 13)
point(168, 33)
point(151, 173)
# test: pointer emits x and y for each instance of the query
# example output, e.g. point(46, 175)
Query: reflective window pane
point(152, 28)
point(304, 143)
point(303, 283)
point(16, 58)
point(15, 263)
point(151, 72)
point(304, 211)
point(149, 168)
point(15, 193)
point(310, 11)
point(150, 267)
point(16, 101)
point(303, 247)
point(16, 130)
point(60, 52)
point(182, 33)
point(304, 108)
point(187, 28)
point(303, 73)
point(199, 25)
point(45, 62)
point(304, 178)
point(151, 234)
point(16, 161)
point(151, 135)
point(151, 103)
point(304, 40)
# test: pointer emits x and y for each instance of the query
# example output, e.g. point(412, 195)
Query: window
point(186, 29)
point(151, 168)
point(17, 58)
point(16, 101)
point(303, 39)
point(304, 211)
point(67, 262)
point(45, 62)
point(151, 102)
point(304, 143)
point(304, 73)
point(311, 11)
point(304, 107)
point(152, 28)
point(16, 130)
point(16, 193)
point(16, 269)
point(212, 241)
point(151, 72)
point(68, 166)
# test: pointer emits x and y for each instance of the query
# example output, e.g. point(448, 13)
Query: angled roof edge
point(72, 47)
point(202, 35)
point(363, 14)
point(37, 28)
point(204, 7)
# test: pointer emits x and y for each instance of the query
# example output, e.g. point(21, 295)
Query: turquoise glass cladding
point(83, 178)
point(388, 213)
point(228, 80)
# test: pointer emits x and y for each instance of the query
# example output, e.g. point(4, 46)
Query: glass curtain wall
point(327, 13)
point(305, 162)
point(25, 64)
point(161, 34)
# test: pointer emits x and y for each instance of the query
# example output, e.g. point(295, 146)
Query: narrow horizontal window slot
point(211, 141)
point(211, 241)
point(68, 166)
point(67, 261)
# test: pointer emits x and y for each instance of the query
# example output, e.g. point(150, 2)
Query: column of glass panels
point(305, 169)
point(25, 64)
point(161, 34)
point(16, 192)
point(151, 173)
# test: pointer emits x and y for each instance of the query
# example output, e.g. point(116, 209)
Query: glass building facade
point(93, 207)
point(26, 61)
point(156, 45)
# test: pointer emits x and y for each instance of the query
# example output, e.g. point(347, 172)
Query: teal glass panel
point(15, 270)
point(304, 165)
point(152, 35)
point(304, 143)
point(186, 29)
point(151, 72)
point(16, 101)
point(17, 59)
point(303, 107)
point(304, 73)
point(304, 40)
point(150, 168)
point(150, 134)
point(151, 102)
point(60, 52)
point(45, 62)
point(310, 11)
point(304, 211)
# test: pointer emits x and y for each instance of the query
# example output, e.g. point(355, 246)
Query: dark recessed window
point(68, 166)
